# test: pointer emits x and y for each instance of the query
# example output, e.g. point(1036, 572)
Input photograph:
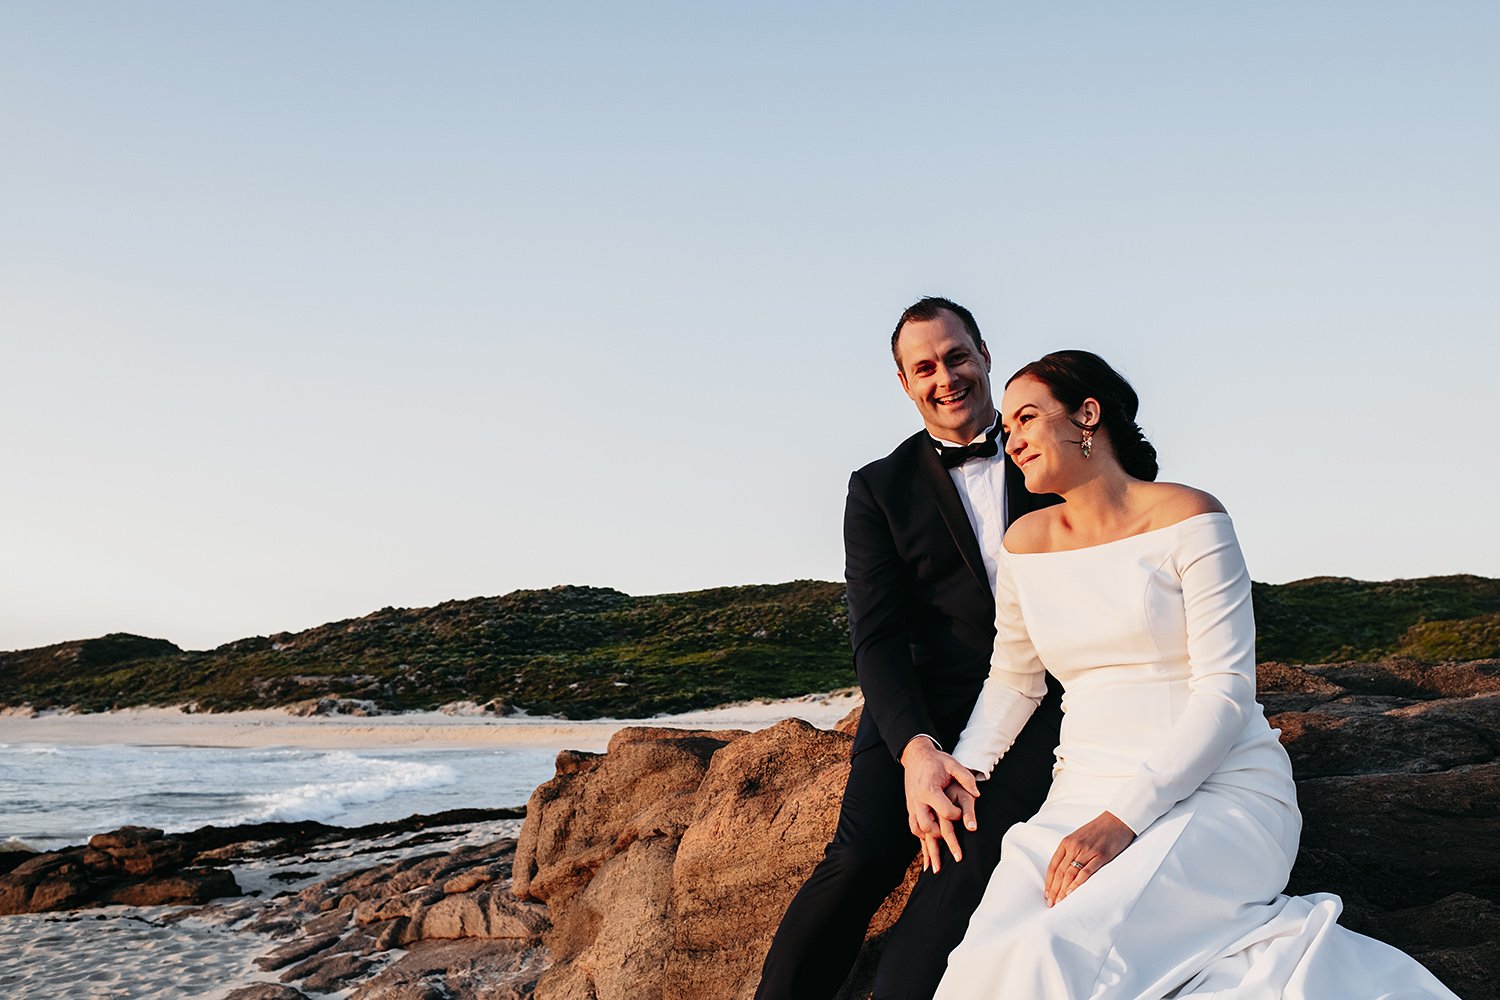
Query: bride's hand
point(1085, 851)
point(932, 855)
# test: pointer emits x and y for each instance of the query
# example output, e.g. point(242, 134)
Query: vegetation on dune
point(1468, 639)
point(1326, 619)
point(579, 652)
point(585, 652)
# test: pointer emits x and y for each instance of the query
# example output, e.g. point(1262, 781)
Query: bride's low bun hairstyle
point(1072, 377)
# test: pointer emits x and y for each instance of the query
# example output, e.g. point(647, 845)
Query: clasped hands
point(940, 791)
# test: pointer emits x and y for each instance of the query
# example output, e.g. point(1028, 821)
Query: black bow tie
point(952, 457)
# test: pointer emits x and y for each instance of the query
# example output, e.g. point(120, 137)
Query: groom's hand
point(930, 812)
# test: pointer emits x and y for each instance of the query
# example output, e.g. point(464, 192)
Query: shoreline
point(274, 727)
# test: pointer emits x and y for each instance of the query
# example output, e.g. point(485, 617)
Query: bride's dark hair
point(1074, 376)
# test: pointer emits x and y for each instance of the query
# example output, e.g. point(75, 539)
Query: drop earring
point(1087, 444)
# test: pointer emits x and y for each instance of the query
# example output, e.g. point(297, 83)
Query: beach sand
point(276, 727)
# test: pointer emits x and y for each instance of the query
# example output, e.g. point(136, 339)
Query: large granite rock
point(671, 883)
point(598, 848)
point(666, 863)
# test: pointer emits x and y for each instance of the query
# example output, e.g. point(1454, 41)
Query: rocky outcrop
point(1398, 777)
point(657, 869)
point(134, 865)
point(460, 932)
point(266, 991)
point(138, 866)
point(360, 707)
point(666, 863)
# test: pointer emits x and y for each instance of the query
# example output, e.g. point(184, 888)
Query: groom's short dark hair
point(928, 308)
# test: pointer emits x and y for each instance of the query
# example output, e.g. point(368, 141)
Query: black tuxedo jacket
point(921, 613)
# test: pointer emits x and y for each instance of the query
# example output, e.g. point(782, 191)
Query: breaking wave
point(356, 781)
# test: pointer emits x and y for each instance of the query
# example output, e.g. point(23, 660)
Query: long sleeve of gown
point(1221, 674)
point(1014, 688)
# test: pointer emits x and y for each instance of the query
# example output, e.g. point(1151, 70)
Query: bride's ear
point(1088, 414)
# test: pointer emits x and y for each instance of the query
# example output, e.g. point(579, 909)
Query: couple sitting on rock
point(1057, 655)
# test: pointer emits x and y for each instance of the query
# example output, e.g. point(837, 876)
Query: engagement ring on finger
point(1079, 865)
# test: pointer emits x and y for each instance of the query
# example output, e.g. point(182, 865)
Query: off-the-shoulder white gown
point(1153, 639)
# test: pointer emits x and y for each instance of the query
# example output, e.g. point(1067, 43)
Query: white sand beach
point(126, 952)
point(276, 727)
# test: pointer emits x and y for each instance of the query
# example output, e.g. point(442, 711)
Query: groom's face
point(948, 376)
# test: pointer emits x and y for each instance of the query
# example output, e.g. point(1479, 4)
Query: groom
point(921, 529)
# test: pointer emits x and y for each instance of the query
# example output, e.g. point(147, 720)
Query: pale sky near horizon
point(309, 309)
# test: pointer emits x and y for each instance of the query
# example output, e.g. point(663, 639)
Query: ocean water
point(53, 796)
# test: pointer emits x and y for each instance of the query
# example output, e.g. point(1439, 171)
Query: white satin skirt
point(1191, 909)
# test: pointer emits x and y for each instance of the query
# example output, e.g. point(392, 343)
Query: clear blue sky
point(308, 309)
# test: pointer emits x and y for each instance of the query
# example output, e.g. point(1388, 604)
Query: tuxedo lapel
point(952, 509)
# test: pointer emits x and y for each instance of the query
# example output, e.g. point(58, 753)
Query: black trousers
point(824, 927)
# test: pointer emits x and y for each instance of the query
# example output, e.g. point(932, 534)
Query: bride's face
point(1041, 437)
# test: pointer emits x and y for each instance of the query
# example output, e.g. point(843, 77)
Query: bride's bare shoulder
point(1173, 502)
point(1031, 532)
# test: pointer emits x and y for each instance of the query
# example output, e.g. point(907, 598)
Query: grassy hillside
point(584, 652)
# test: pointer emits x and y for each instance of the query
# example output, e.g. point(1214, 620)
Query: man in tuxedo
point(921, 529)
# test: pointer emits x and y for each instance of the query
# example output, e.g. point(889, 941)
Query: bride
point(1155, 867)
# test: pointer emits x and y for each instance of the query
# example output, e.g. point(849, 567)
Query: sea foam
point(361, 781)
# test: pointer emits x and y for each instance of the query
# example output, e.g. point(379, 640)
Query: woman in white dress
point(1155, 867)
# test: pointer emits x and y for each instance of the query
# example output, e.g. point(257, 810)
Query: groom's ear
point(901, 376)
